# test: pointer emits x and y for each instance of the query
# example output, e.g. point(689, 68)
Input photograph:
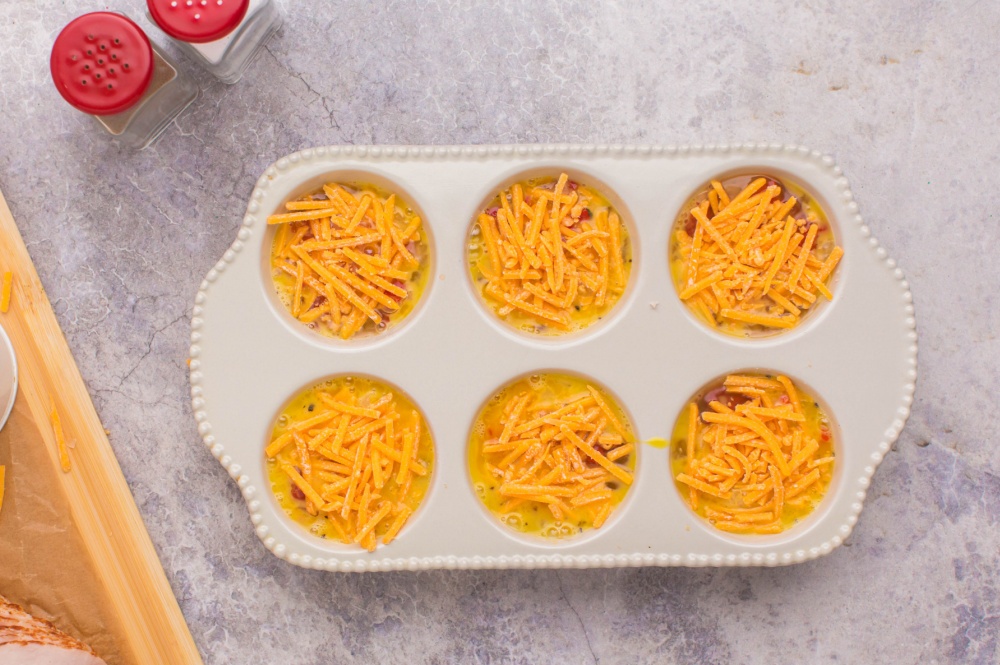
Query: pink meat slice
point(26, 640)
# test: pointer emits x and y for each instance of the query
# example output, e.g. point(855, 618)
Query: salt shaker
point(222, 35)
point(104, 64)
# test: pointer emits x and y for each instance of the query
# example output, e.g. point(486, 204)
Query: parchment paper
point(44, 566)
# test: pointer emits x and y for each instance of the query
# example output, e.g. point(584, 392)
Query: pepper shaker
point(222, 35)
point(104, 64)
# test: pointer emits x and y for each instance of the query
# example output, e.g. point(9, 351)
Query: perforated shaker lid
point(102, 63)
point(198, 21)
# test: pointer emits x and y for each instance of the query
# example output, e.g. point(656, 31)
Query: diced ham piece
point(25, 640)
point(719, 394)
point(691, 225)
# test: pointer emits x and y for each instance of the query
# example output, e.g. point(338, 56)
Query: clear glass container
point(170, 92)
point(223, 36)
point(103, 64)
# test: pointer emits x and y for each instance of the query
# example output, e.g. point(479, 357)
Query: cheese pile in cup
point(749, 258)
point(753, 454)
point(552, 455)
point(549, 256)
point(349, 260)
point(350, 460)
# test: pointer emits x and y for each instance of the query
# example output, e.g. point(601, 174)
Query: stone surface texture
point(903, 94)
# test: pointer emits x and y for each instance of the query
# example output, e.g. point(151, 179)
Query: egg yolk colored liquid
point(532, 517)
point(822, 246)
point(415, 286)
point(816, 426)
point(368, 391)
point(585, 311)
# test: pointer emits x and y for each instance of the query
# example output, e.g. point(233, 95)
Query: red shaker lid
point(102, 63)
point(198, 21)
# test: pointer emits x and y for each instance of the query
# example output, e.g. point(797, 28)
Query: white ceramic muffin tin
point(856, 354)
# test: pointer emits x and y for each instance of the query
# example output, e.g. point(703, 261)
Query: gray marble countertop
point(903, 94)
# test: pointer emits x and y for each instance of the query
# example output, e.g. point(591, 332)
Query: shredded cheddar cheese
point(5, 291)
point(349, 260)
point(550, 256)
point(753, 263)
point(756, 457)
point(552, 455)
point(351, 460)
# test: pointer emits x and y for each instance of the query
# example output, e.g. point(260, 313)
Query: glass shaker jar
point(103, 64)
point(222, 35)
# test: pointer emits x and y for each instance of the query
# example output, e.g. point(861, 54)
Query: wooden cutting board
point(73, 547)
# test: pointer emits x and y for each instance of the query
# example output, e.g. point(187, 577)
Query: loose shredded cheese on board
point(550, 255)
point(758, 458)
point(754, 263)
point(5, 291)
point(350, 459)
point(351, 262)
point(552, 454)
